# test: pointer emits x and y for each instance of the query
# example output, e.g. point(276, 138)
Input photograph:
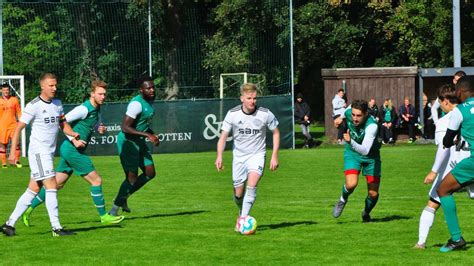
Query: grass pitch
point(186, 215)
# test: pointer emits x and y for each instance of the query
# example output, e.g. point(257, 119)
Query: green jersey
point(463, 118)
point(142, 111)
point(83, 120)
point(358, 133)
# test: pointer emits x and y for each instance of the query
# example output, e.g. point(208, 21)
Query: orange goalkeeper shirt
point(9, 112)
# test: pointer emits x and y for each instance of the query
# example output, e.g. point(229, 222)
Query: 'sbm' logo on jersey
point(53, 119)
point(248, 131)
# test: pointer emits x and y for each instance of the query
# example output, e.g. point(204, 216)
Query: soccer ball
point(246, 225)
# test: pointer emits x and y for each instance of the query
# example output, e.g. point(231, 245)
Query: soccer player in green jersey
point(84, 119)
point(462, 119)
point(133, 151)
point(361, 152)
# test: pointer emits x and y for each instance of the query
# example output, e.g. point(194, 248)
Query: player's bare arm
point(67, 129)
point(220, 150)
point(276, 148)
point(15, 140)
point(127, 127)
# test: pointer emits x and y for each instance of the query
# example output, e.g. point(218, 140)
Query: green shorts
point(370, 166)
point(464, 171)
point(73, 161)
point(134, 154)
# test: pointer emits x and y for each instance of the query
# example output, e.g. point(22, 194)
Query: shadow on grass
point(390, 218)
point(147, 216)
point(165, 215)
point(283, 225)
point(382, 219)
point(85, 229)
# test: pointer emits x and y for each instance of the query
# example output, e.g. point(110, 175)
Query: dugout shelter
point(387, 82)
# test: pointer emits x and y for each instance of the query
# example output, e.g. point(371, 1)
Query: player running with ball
point(248, 124)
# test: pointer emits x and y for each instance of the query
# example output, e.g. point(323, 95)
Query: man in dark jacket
point(303, 118)
point(408, 118)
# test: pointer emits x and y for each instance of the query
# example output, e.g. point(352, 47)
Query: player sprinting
point(462, 118)
point(133, 152)
point(84, 120)
point(46, 116)
point(361, 152)
point(248, 124)
point(10, 112)
point(444, 162)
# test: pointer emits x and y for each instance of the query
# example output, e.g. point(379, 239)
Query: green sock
point(123, 193)
point(370, 204)
point(98, 199)
point(39, 199)
point(141, 181)
point(345, 193)
point(449, 208)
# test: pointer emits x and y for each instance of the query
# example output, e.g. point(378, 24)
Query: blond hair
point(388, 104)
point(248, 87)
point(98, 83)
point(47, 75)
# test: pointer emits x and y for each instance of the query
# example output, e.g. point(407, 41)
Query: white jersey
point(441, 128)
point(44, 118)
point(249, 130)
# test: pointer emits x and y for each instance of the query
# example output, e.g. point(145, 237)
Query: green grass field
point(186, 215)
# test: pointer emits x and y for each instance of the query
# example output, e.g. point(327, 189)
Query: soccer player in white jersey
point(445, 160)
point(46, 116)
point(248, 124)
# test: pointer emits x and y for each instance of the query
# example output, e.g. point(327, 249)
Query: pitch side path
point(186, 215)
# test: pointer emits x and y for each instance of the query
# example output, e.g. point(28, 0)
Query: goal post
point(17, 85)
point(232, 82)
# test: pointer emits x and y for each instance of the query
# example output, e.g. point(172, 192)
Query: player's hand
point(273, 164)
point(75, 135)
point(338, 121)
point(101, 129)
point(347, 136)
point(218, 164)
point(430, 177)
point(154, 139)
point(12, 158)
point(79, 143)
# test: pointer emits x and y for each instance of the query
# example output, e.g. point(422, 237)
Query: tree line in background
point(195, 41)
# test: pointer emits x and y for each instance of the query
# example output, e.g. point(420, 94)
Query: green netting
point(81, 40)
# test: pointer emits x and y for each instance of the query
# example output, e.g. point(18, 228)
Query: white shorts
point(454, 158)
point(41, 166)
point(241, 166)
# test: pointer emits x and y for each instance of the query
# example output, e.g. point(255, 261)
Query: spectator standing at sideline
point(408, 118)
point(338, 108)
point(303, 118)
point(387, 118)
point(373, 109)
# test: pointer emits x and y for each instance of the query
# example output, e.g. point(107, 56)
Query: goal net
point(229, 84)
point(17, 89)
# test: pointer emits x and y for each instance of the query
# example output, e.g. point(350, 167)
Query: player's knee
point(150, 174)
point(373, 194)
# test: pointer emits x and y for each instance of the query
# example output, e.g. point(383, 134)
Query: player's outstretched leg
point(38, 200)
point(249, 200)
point(22, 204)
point(339, 207)
point(99, 202)
point(426, 221)
point(370, 203)
point(121, 197)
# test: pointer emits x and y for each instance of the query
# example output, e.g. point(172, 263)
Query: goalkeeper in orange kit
point(10, 111)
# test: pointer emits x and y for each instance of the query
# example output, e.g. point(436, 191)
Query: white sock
point(426, 221)
point(249, 199)
point(51, 202)
point(21, 205)
point(114, 210)
point(470, 191)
